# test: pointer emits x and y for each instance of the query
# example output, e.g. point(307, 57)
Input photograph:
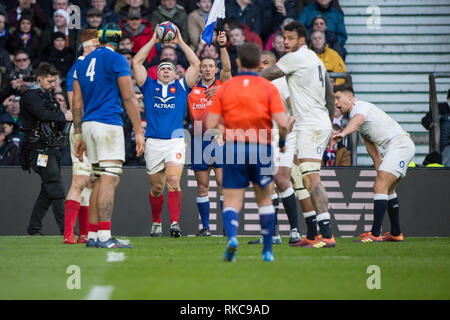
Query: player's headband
point(167, 64)
point(92, 42)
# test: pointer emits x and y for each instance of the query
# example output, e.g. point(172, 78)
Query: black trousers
point(52, 190)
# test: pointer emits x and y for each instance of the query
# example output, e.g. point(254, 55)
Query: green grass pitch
point(192, 268)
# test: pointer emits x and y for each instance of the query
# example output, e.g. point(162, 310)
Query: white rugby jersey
point(378, 127)
point(282, 87)
point(305, 77)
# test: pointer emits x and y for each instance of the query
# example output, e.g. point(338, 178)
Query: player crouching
point(378, 130)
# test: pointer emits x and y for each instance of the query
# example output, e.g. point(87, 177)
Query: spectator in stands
point(26, 37)
point(13, 112)
point(9, 151)
point(245, 12)
point(38, 16)
point(3, 30)
point(19, 77)
point(94, 19)
point(273, 12)
point(59, 55)
point(61, 4)
point(169, 10)
point(269, 43)
point(126, 42)
point(134, 5)
point(330, 58)
point(319, 23)
point(237, 40)
point(108, 14)
point(336, 154)
point(334, 18)
point(59, 23)
point(196, 22)
point(427, 122)
point(278, 46)
point(5, 67)
point(249, 35)
point(140, 30)
point(128, 54)
point(167, 52)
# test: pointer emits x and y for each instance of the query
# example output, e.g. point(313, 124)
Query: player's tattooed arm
point(272, 73)
point(329, 96)
point(77, 107)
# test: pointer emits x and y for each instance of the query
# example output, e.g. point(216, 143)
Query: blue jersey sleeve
point(69, 79)
point(121, 67)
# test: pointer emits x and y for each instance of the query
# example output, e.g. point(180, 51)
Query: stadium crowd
point(36, 31)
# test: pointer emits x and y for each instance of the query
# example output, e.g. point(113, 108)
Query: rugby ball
point(166, 31)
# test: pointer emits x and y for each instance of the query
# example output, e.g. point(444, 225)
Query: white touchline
point(100, 293)
point(115, 256)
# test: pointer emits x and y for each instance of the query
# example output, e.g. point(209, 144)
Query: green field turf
point(192, 268)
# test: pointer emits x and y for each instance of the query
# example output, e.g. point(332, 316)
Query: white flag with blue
point(217, 11)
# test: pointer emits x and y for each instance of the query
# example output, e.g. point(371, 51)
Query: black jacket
point(9, 154)
point(34, 107)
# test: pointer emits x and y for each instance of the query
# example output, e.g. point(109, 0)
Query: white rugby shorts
point(396, 156)
point(160, 151)
point(312, 142)
point(103, 141)
point(78, 168)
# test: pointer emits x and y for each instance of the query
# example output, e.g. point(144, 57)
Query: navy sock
point(311, 224)
point(380, 204)
point(290, 205)
point(276, 206)
point(267, 219)
point(324, 224)
point(230, 221)
point(394, 214)
point(203, 209)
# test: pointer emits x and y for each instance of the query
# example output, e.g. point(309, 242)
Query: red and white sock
point(174, 199)
point(104, 230)
point(83, 220)
point(156, 203)
point(92, 231)
point(71, 211)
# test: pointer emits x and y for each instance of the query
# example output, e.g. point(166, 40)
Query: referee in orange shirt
point(248, 103)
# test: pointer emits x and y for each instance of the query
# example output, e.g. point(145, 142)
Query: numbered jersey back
point(305, 76)
point(97, 76)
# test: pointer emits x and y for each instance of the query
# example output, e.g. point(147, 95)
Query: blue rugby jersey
point(97, 75)
point(165, 108)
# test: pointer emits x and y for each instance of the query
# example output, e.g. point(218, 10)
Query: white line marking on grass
point(115, 256)
point(100, 293)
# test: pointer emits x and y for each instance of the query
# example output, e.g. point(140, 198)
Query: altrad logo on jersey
point(164, 104)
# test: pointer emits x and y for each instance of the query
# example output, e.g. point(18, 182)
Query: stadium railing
point(435, 133)
point(354, 136)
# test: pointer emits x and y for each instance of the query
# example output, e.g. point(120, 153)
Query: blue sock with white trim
point(323, 220)
point(203, 210)
point(380, 204)
point(267, 221)
point(230, 222)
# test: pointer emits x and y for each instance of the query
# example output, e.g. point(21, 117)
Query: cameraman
point(46, 131)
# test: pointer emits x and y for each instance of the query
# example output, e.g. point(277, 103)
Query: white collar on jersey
point(171, 82)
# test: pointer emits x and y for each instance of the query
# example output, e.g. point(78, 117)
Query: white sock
point(92, 235)
point(104, 235)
